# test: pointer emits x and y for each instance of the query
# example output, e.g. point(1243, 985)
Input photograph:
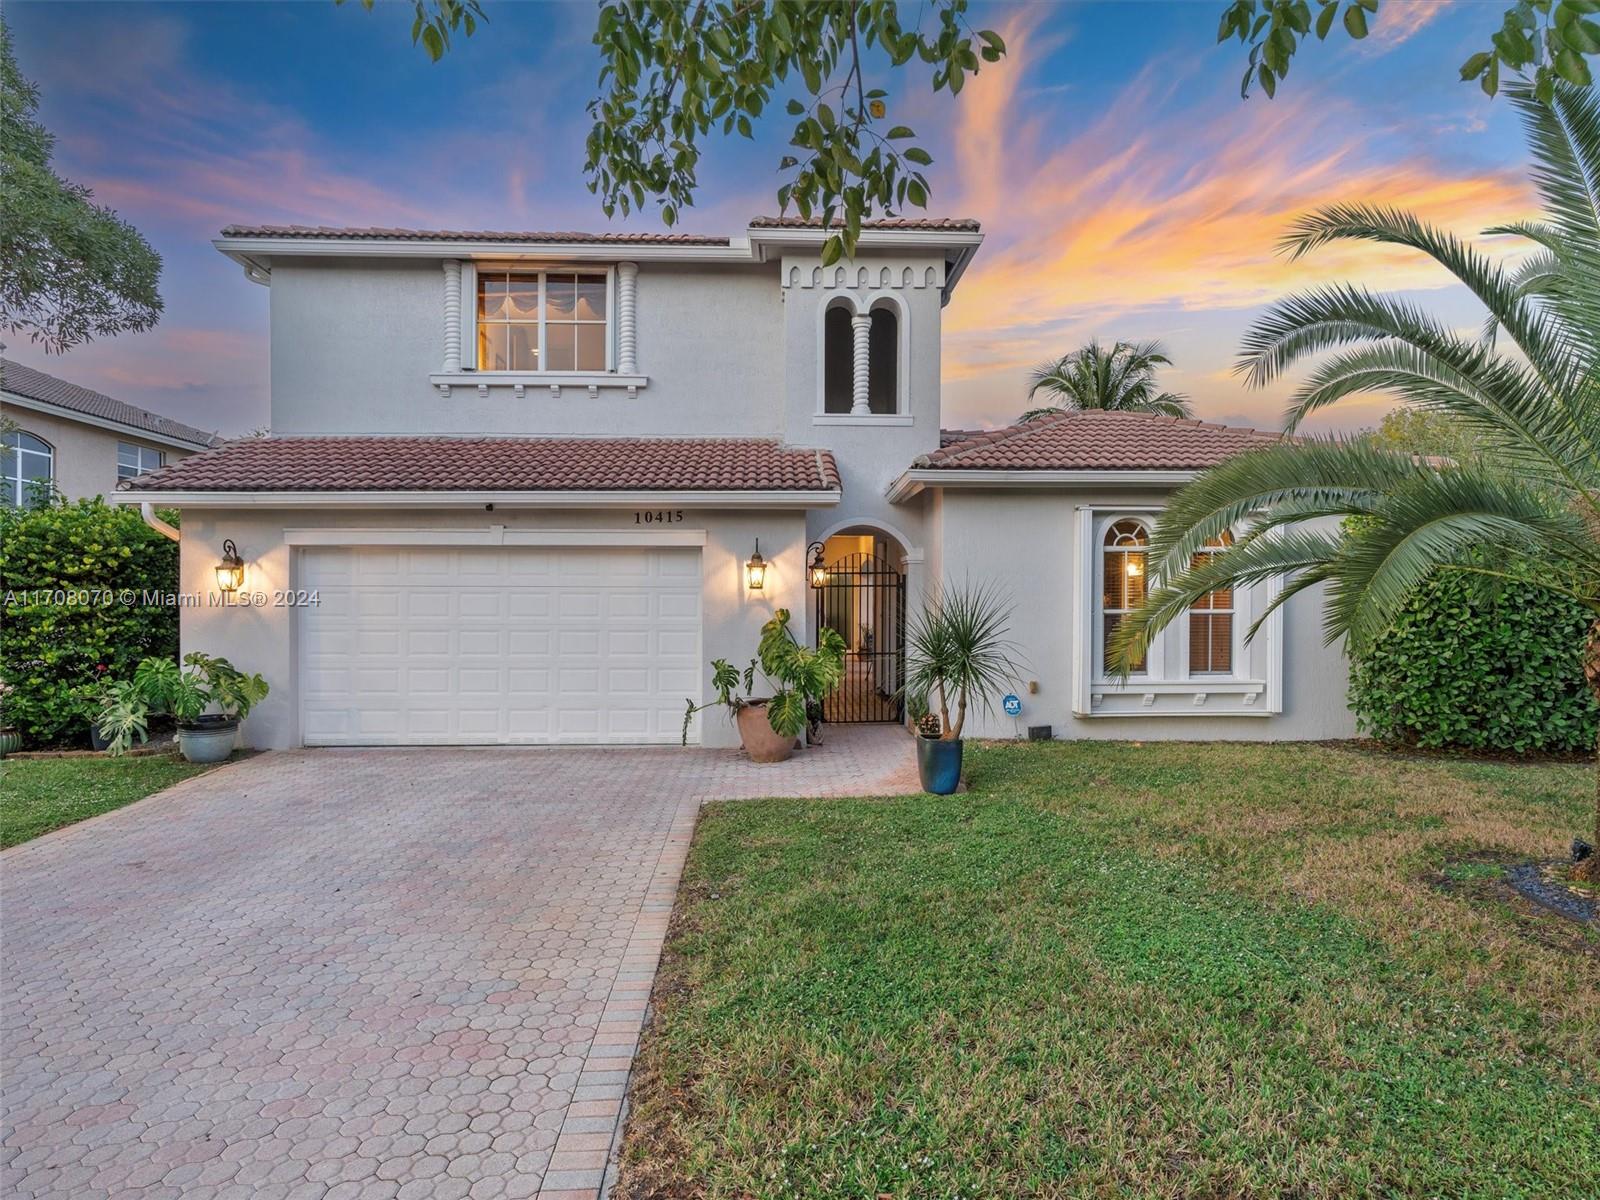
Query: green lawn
point(1131, 971)
point(41, 794)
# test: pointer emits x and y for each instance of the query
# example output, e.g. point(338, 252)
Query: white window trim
point(858, 305)
point(520, 382)
point(1167, 664)
point(16, 493)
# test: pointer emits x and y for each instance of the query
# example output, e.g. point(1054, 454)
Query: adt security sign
point(1012, 705)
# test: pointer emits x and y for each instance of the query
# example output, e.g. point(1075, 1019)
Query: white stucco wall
point(1024, 541)
point(264, 640)
point(354, 342)
point(85, 455)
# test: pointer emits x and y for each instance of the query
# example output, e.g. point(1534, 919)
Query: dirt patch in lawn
point(1546, 911)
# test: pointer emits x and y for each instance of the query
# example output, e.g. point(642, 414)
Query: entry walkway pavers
point(358, 973)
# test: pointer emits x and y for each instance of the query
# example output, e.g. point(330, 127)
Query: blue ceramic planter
point(939, 765)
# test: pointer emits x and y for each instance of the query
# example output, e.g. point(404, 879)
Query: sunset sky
point(1125, 189)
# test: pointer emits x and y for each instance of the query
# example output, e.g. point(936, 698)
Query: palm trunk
point(1589, 869)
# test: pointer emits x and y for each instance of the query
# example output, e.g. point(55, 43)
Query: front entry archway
point(863, 598)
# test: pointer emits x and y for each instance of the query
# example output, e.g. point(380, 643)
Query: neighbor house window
point(543, 320)
point(29, 466)
point(134, 461)
point(1124, 561)
point(1211, 621)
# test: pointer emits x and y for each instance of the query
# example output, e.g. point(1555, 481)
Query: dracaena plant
point(1373, 525)
point(799, 677)
point(958, 654)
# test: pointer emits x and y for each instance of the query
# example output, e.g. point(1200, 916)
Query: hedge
point(1470, 666)
point(73, 579)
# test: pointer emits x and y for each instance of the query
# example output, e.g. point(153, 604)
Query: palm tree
point(1528, 389)
point(1121, 379)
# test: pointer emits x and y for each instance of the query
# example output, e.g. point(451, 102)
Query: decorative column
point(452, 316)
point(860, 327)
point(627, 323)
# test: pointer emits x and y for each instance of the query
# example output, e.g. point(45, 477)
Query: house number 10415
point(658, 516)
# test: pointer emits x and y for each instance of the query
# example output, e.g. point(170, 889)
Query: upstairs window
point(134, 461)
point(838, 360)
point(29, 465)
point(1124, 581)
point(1211, 621)
point(544, 321)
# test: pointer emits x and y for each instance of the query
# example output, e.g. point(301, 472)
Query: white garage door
point(498, 645)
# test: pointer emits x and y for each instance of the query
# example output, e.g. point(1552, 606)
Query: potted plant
point(207, 698)
point(800, 677)
point(10, 739)
point(956, 652)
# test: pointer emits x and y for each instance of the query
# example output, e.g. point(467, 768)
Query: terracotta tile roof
point(439, 464)
point(935, 224)
point(1099, 441)
point(378, 233)
point(47, 389)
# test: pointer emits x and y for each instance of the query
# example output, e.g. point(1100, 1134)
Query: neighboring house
point(522, 487)
point(83, 442)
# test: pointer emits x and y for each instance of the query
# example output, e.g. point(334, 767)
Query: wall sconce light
point(755, 571)
point(818, 568)
point(230, 571)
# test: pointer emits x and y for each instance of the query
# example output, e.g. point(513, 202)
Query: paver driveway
point(386, 973)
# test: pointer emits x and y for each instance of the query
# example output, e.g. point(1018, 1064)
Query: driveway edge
point(582, 1166)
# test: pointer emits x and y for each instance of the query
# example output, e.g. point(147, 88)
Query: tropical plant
point(85, 588)
point(1530, 491)
point(159, 685)
point(1119, 379)
point(957, 652)
point(70, 270)
point(799, 677)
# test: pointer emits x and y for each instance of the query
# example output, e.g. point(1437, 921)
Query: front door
point(864, 599)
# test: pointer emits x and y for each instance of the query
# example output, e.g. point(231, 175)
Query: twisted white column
point(860, 327)
point(452, 316)
point(627, 321)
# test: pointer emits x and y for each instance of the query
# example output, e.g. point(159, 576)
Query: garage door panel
point(499, 644)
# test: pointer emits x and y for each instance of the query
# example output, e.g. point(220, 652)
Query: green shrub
point(1496, 668)
point(73, 579)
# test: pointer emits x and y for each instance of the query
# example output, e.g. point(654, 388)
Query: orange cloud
point(1160, 207)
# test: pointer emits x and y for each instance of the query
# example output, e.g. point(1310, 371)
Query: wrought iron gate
point(864, 598)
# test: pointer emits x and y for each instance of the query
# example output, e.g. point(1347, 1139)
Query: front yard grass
point(38, 795)
point(1126, 970)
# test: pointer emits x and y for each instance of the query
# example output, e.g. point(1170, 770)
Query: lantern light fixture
point(755, 571)
point(817, 567)
point(230, 571)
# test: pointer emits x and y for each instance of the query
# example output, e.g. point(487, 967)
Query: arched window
point(838, 359)
point(1211, 620)
point(883, 361)
point(1125, 556)
point(29, 465)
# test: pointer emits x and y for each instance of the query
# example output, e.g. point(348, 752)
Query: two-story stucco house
point(523, 487)
point(79, 441)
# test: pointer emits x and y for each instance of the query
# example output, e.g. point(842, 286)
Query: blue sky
point(1125, 189)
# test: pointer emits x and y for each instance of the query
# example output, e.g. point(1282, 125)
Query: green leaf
point(1582, 35)
point(1269, 82)
point(1325, 20)
point(900, 131)
point(1355, 22)
point(1570, 65)
point(918, 155)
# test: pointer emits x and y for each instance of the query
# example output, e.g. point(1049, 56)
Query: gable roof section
point(1095, 440)
point(441, 465)
point(71, 399)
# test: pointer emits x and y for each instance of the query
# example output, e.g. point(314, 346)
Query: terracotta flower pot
point(762, 742)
